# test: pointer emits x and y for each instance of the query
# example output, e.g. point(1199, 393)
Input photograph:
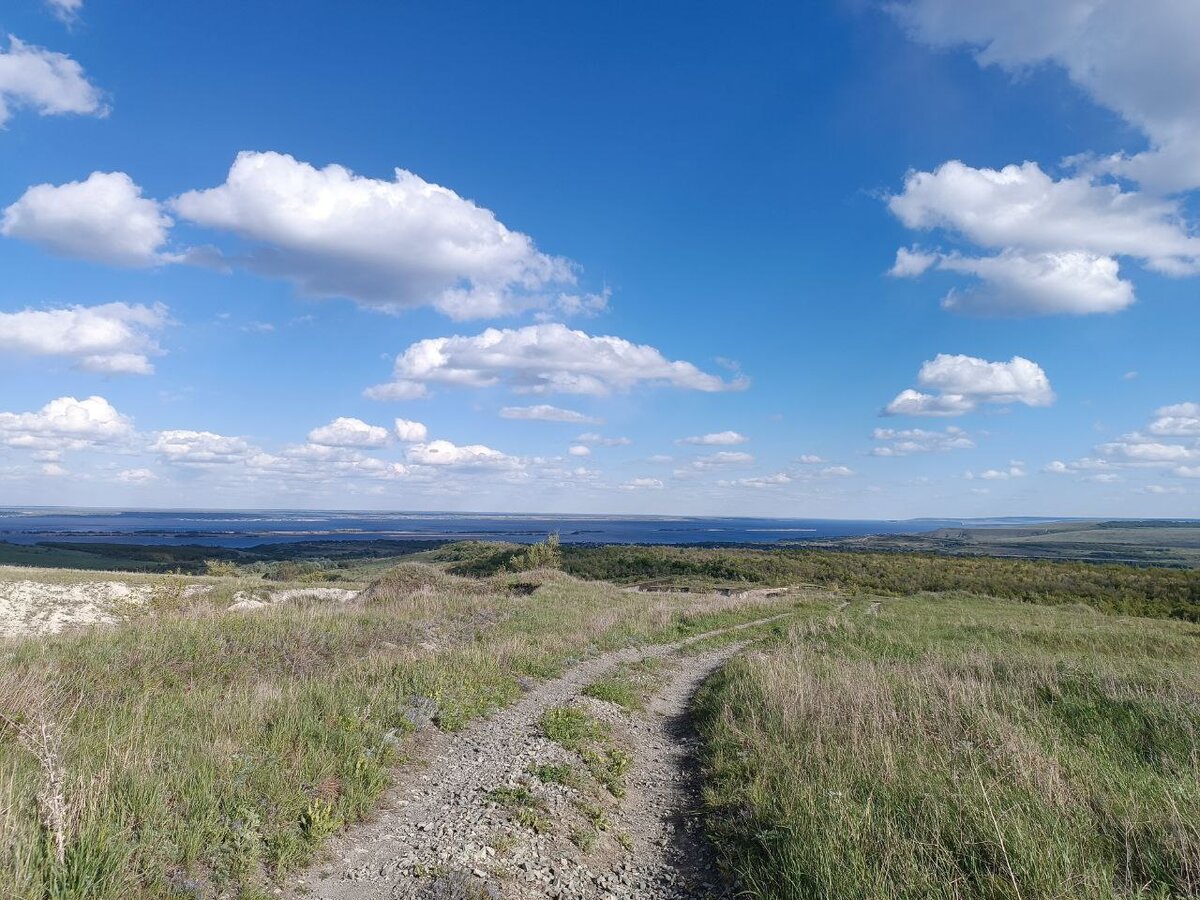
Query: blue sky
point(844, 259)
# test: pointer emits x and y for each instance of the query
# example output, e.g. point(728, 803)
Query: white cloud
point(760, 482)
point(1058, 240)
point(1162, 489)
point(722, 458)
point(905, 442)
point(642, 484)
point(542, 359)
point(1138, 59)
point(911, 263)
point(392, 245)
point(65, 423)
point(837, 472)
point(200, 448)
point(544, 412)
point(54, 470)
point(1148, 452)
point(1013, 471)
point(444, 453)
point(136, 476)
point(110, 338)
point(1178, 420)
point(65, 10)
point(104, 219)
point(915, 403)
point(580, 450)
point(1023, 207)
point(348, 432)
point(410, 432)
point(715, 439)
point(1017, 284)
point(1135, 449)
point(964, 382)
point(47, 82)
point(590, 437)
point(810, 459)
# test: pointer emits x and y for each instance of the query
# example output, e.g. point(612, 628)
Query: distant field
point(1159, 543)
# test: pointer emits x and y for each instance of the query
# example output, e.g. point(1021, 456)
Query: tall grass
point(961, 749)
point(204, 754)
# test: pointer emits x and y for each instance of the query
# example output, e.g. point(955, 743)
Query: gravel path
point(439, 835)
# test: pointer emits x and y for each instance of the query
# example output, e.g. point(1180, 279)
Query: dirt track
point(440, 836)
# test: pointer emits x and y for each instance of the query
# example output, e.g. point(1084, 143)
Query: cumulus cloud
point(49, 83)
point(444, 453)
point(962, 383)
point(104, 219)
point(715, 439)
point(1171, 442)
point(64, 424)
point(184, 447)
point(410, 432)
point(1178, 420)
point(544, 412)
point(1121, 54)
point(392, 245)
point(810, 459)
point(113, 338)
point(837, 472)
point(1057, 239)
point(642, 484)
point(1020, 206)
point(542, 359)
point(1014, 470)
point(580, 450)
point(1018, 284)
point(720, 459)
point(907, 441)
point(348, 432)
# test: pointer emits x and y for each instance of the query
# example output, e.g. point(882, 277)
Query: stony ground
point(442, 833)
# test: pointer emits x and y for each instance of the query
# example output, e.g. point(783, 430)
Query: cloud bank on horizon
point(323, 321)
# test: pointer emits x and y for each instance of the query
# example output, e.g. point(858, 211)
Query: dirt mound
point(408, 579)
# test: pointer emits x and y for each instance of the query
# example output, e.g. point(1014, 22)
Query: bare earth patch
point(36, 608)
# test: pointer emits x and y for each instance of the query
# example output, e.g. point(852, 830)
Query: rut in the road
point(440, 835)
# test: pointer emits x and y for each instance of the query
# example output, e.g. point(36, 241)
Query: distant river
point(247, 528)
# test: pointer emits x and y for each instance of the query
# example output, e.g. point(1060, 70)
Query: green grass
point(1127, 590)
point(221, 750)
point(960, 748)
point(628, 685)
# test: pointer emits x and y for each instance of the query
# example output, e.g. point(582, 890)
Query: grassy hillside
point(196, 752)
point(960, 748)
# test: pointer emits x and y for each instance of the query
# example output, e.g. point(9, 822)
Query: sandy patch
point(35, 608)
point(244, 602)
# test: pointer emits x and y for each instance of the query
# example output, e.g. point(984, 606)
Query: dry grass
point(208, 753)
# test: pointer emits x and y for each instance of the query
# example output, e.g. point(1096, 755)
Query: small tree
point(545, 555)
